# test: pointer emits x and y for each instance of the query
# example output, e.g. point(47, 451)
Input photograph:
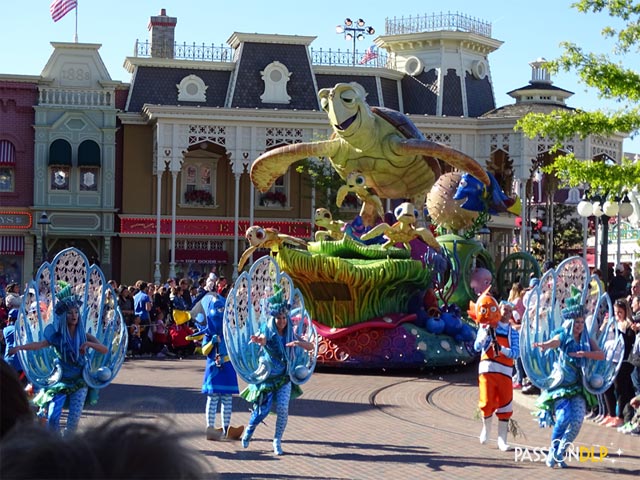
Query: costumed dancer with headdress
point(562, 352)
point(71, 337)
point(499, 343)
point(220, 380)
point(272, 342)
point(564, 405)
point(70, 343)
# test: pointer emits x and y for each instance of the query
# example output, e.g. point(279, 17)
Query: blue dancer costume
point(220, 381)
point(64, 364)
point(271, 341)
point(567, 369)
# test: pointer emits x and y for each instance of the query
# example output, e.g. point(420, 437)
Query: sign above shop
point(15, 220)
point(209, 228)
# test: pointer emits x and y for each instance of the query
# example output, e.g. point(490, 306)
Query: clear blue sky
point(529, 30)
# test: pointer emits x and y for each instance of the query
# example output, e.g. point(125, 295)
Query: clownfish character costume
point(500, 346)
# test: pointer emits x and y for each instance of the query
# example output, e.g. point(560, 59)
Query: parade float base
point(390, 342)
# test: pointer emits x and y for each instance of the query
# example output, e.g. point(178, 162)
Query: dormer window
point(192, 89)
point(275, 77)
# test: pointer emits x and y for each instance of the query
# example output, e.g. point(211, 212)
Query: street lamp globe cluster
point(610, 207)
point(603, 208)
point(354, 30)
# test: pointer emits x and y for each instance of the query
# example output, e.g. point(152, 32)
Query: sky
point(529, 30)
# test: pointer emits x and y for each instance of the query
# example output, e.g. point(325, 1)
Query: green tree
point(325, 180)
point(566, 236)
point(613, 82)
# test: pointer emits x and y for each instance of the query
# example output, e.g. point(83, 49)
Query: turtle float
point(394, 157)
point(404, 230)
point(334, 228)
point(270, 238)
point(371, 204)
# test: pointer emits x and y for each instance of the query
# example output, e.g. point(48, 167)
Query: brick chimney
point(162, 30)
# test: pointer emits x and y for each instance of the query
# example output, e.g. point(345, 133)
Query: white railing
point(76, 97)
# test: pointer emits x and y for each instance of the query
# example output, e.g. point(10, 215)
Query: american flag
point(59, 8)
point(369, 55)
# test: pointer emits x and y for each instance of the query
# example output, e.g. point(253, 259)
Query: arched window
point(89, 163)
point(59, 165)
point(7, 166)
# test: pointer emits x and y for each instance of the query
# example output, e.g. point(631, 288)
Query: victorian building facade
point(152, 177)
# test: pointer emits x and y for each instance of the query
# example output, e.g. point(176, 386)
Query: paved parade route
point(361, 426)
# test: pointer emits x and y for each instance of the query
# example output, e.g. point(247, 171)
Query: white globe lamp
point(585, 209)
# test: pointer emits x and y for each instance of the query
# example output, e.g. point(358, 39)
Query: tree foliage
point(613, 82)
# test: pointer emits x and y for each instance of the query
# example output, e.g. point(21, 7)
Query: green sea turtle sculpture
point(394, 157)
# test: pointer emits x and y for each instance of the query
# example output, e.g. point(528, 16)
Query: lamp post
point(603, 211)
point(44, 223)
point(354, 31)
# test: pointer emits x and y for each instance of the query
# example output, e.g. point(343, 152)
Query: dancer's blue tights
point(76, 404)
point(225, 410)
point(569, 415)
point(261, 411)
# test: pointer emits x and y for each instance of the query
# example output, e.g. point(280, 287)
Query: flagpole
point(75, 37)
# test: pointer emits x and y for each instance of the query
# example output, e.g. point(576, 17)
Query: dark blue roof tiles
point(368, 83)
point(479, 96)
point(419, 93)
point(452, 95)
point(255, 57)
point(157, 85)
point(390, 93)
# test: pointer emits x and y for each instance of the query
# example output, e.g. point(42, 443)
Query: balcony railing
point(76, 97)
point(438, 22)
point(213, 53)
point(185, 51)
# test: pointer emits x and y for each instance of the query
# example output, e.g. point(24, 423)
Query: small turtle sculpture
point(371, 204)
point(404, 230)
point(334, 228)
point(270, 238)
point(394, 157)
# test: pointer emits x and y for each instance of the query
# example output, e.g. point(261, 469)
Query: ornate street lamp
point(603, 210)
point(44, 223)
point(354, 31)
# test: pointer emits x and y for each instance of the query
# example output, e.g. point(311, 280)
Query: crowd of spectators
point(148, 310)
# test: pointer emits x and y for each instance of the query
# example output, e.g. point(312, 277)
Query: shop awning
point(7, 153)
point(11, 245)
point(201, 256)
point(89, 154)
point(60, 153)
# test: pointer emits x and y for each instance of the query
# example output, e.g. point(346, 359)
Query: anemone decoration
point(561, 295)
point(70, 280)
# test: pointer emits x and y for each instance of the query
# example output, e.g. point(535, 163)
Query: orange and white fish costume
point(500, 346)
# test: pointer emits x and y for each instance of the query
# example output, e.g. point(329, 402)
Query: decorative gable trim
point(192, 89)
point(275, 77)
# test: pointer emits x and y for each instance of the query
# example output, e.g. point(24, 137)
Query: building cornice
point(130, 64)
point(245, 115)
point(358, 71)
point(132, 118)
point(237, 38)
point(7, 77)
point(422, 40)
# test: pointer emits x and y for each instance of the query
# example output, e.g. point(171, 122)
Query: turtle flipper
point(245, 256)
point(271, 165)
point(375, 231)
point(450, 155)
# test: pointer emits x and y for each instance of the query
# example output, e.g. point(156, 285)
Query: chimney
point(162, 30)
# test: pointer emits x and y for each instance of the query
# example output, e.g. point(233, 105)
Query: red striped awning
point(11, 245)
point(7, 153)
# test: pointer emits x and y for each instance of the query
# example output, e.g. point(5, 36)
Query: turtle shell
point(400, 121)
